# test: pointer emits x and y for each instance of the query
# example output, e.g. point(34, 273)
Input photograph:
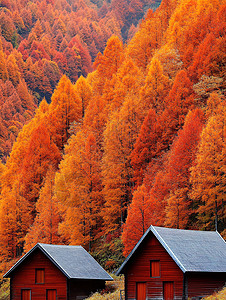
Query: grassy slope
point(4, 290)
point(218, 296)
point(112, 290)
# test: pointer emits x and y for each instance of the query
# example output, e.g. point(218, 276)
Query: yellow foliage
point(112, 290)
point(5, 290)
point(217, 296)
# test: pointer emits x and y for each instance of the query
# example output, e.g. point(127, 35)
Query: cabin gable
point(56, 272)
point(23, 279)
point(173, 264)
point(139, 273)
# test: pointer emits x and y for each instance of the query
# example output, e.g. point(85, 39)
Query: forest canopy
point(104, 150)
point(40, 41)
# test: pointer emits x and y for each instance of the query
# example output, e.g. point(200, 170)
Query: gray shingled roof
point(73, 261)
point(192, 250)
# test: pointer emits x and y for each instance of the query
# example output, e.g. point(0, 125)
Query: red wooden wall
point(24, 278)
point(204, 284)
point(139, 271)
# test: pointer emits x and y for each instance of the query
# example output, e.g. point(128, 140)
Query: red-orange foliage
point(45, 226)
point(13, 114)
point(131, 138)
point(177, 104)
point(79, 191)
point(138, 219)
point(41, 152)
point(208, 172)
point(108, 63)
point(42, 41)
point(181, 157)
point(148, 145)
point(156, 86)
point(65, 108)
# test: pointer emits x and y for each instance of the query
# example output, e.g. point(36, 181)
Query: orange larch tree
point(138, 219)
point(108, 63)
point(65, 108)
point(15, 219)
point(84, 92)
point(177, 104)
point(127, 81)
point(79, 191)
point(119, 138)
point(156, 86)
point(45, 226)
point(147, 146)
point(41, 152)
point(142, 46)
point(13, 199)
point(3, 68)
point(179, 206)
point(208, 171)
point(13, 70)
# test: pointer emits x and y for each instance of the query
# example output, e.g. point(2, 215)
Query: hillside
point(138, 141)
point(42, 40)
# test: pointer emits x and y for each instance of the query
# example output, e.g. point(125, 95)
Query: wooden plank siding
point(138, 270)
point(204, 284)
point(24, 278)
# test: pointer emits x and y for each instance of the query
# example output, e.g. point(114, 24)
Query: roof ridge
point(183, 255)
point(53, 260)
point(187, 230)
point(69, 260)
point(168, 249)
point(220, 236)
point(55, 245)
point(20, 261)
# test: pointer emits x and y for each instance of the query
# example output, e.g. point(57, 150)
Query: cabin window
point(26, 294)
point(39, 276)
point(154, 268)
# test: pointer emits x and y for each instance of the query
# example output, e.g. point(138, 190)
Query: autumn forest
point(112, 119)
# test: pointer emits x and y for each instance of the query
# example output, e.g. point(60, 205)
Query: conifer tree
point(138, 219)
point(147, 146)
point(79, 191)
point(181, 157)
point(65, 108)
point(119, 138)
point(84, 92)
point(108, 63)
point(156, 86)
point(41, 152)
point(3, 68)
point(45, 226)
point(208, 173)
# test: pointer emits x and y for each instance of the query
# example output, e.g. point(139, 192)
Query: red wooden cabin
point(56, 272)
point(174, 264)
